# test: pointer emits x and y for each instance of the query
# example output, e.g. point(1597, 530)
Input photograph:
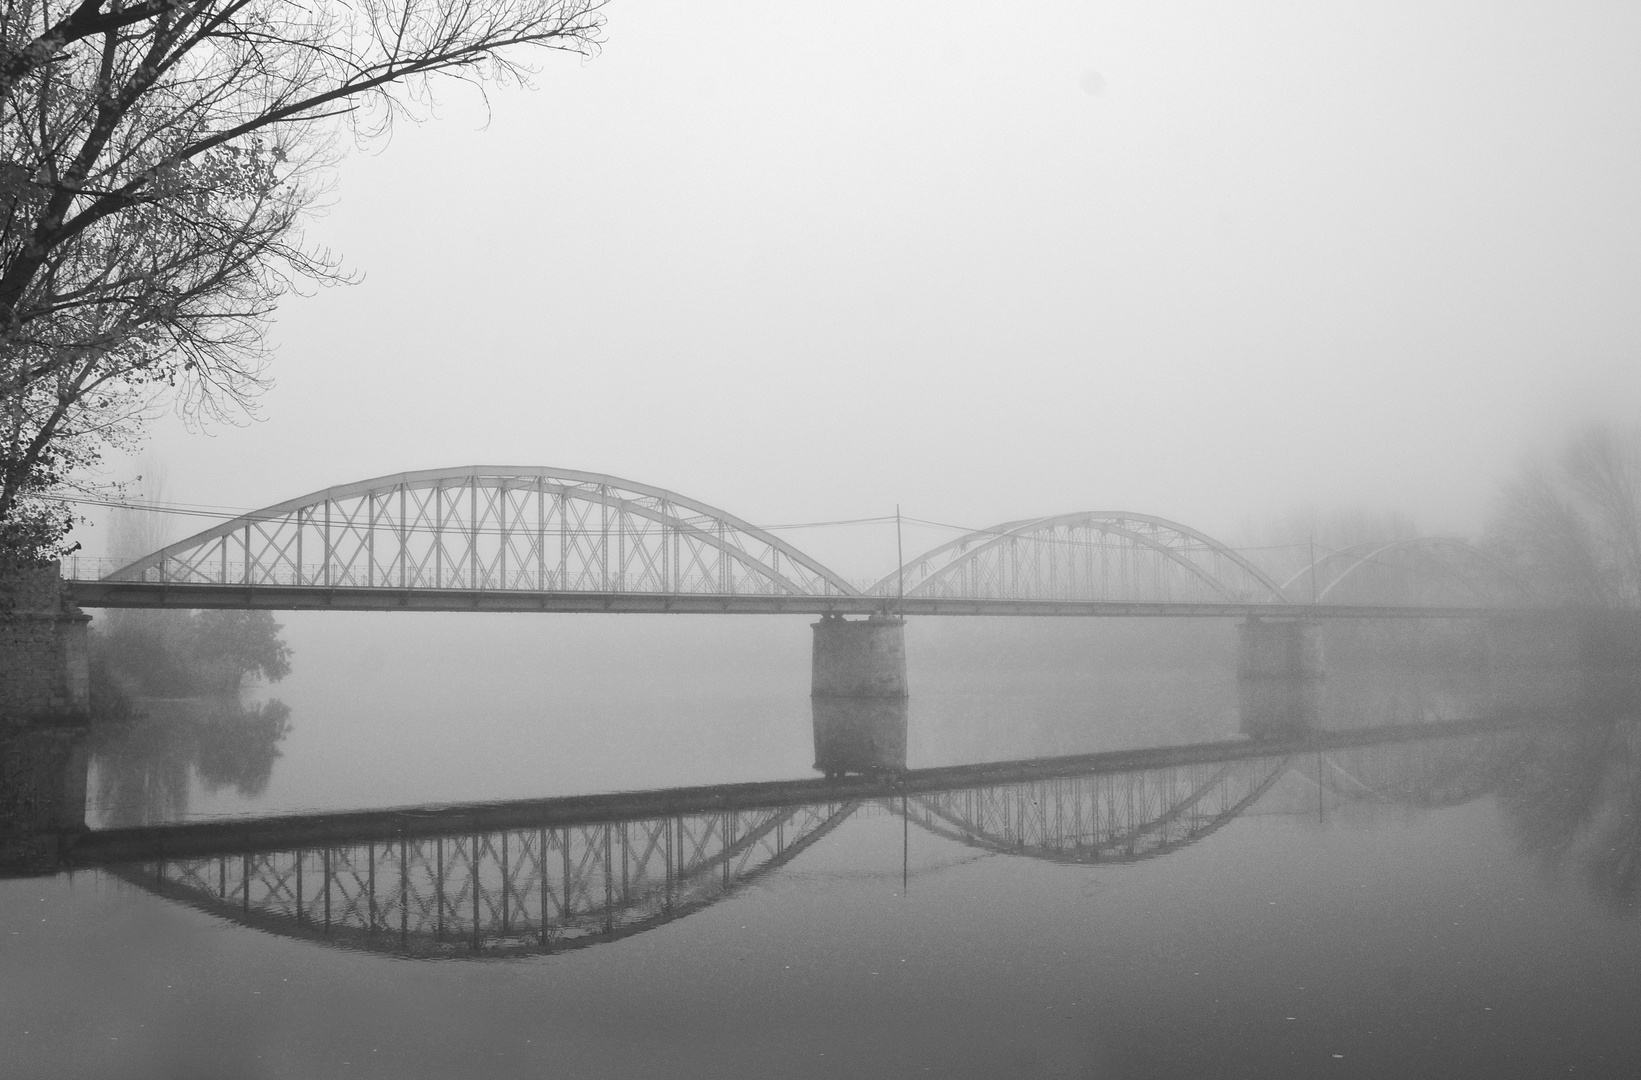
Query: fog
point(807, 264)
point(1307, 278)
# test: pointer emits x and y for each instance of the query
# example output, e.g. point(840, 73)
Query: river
point(1436, 876)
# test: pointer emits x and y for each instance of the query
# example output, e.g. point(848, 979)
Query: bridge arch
point(1091, 555)
point(503, 528)
point(1417, 569)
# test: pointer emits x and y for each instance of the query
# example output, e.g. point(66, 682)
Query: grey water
point(1463, 904)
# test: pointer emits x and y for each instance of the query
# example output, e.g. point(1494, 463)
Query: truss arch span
point(503, 528)
point(1414, 570)
point(1092, 555)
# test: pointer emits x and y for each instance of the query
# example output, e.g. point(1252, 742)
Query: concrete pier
point(859, 657)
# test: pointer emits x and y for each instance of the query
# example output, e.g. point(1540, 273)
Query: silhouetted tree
point(228, 645)
point(179, 654)
point(1572, 529)
point(156, 159)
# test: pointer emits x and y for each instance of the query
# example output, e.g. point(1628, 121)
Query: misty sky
point(1218, 262)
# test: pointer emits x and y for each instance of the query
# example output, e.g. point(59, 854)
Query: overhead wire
point(218, 512)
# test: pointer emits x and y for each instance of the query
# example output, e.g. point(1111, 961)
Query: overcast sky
point(1214, 261)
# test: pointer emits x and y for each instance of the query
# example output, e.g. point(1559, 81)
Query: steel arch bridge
point(531, 538)
point(1094, 555)
point(493, 527)
point(491, 530)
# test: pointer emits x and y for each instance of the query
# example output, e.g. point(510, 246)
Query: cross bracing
point(1090, 556)
point(499, 529)
point(526, 538)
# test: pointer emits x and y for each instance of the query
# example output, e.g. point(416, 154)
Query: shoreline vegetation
point(168, 713)
point(185, 654)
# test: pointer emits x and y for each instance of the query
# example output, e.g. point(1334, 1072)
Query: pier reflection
point(494, 880)
point(509, 879)
point(1275, 707)
point(860, 734)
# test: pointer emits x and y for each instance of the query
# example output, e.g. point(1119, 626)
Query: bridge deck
point(147, 594)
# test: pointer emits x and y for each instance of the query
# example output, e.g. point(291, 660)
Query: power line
point(217, 512)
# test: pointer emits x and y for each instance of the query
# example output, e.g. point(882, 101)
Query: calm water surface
point(1456, 906)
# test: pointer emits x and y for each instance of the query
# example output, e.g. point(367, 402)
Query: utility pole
point(1313, 566)
point(900, 561)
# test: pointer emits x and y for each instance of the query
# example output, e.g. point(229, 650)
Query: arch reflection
point(509, 879)
point(495, 893)
point(1100, 817)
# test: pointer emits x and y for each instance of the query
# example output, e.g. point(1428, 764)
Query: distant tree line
point(186, 654)
point(1565, 531)
point(1570, 527)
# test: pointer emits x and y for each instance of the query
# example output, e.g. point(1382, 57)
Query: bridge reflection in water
point(501, 892)
point(508, 879)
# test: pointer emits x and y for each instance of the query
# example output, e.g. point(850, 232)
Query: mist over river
point(1434, 877)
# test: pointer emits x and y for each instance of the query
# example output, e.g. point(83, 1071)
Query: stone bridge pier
point(45, 672)
point(858, 690)
point(859, 657)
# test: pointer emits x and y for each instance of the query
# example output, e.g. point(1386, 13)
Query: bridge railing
point(84, 568)
point(337, 575)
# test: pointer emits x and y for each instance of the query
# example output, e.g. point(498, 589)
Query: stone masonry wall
point(44, 667)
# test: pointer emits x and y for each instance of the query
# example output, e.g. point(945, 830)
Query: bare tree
point(1574, 529)
point(156, 161)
